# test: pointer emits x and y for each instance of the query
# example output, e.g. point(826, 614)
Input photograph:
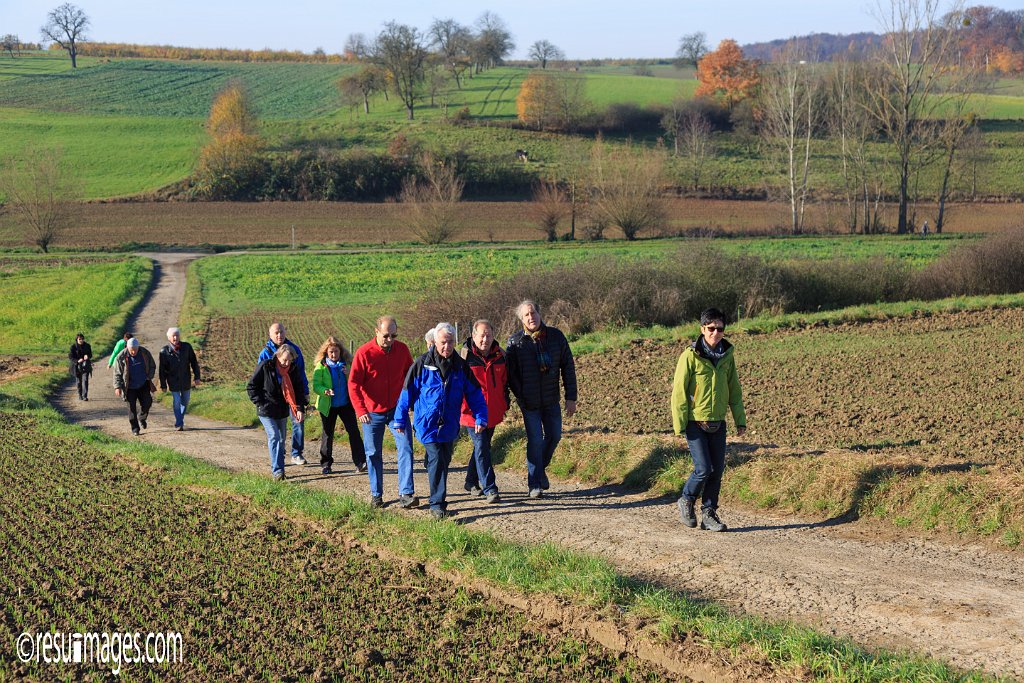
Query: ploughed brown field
point(236, 223)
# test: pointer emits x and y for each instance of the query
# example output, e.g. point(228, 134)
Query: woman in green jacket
point(330, 384)
point(118, 348)
point(704, 389)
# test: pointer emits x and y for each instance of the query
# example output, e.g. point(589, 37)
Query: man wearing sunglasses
point(375, 383)
point(704, 389)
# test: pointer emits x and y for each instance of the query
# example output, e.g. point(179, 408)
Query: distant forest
point(994, 35)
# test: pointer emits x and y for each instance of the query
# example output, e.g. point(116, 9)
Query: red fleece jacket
point(376, 379)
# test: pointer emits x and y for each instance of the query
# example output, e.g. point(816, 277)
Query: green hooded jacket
point(703, 392)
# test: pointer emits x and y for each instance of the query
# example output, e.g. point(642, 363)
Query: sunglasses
point(713, 328)
point(389, 336)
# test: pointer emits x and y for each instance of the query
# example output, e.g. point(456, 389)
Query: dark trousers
point(83, 385)
point(480, 470)
point(708, 453)
point(355, 436)
point(439, 457)
point(144, 399)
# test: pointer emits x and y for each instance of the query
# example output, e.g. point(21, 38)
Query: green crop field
point(39, 64)
point(110, 155)
point(48, 300)
point(606, 89)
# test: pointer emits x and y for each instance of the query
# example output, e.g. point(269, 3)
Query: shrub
point(993, 266)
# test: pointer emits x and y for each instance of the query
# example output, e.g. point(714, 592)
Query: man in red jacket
point(487, 362)
point(375, 383)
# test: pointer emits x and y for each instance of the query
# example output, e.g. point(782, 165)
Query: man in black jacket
point(538, 357)
point(80, 356)
point(179, 371)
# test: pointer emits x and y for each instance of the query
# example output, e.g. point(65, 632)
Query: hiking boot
point(687, 512)
point(408, 502)
point(361, 467)
point(326, 470)
point(179, 428)
point(298, 460)
point(536, 493)
point(711, 522)
point(441, 514)
point(135, 431)
point(474, 489)
point(492, 498)
point(279, 476)
point(143, 423)
point(376, 502)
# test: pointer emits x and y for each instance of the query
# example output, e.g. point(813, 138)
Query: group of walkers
point(447, 389)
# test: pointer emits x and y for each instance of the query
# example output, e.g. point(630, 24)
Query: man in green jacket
point(704, 389)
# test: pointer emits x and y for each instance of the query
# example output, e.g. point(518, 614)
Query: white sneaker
point(535, 493)
point(298, 460)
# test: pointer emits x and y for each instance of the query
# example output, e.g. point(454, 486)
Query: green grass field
point(48, 300)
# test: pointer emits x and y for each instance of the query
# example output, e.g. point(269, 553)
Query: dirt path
point(963, 604)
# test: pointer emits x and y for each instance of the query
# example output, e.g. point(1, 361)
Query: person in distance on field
point(486, 360)
point(276, 341)
point(704, 388)
point(118, 348)
point(378, 371)
point(538, 356)
point(80, 356)
point(330, 384)
point(179, 372)
point(436, 386)
point(277, 391)
point(134, 370)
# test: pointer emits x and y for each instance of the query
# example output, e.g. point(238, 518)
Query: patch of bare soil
point(963, 604)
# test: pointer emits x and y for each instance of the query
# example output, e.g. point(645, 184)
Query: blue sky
point(582, 28)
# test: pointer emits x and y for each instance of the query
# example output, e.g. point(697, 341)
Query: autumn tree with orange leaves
point(230, 164)
point(726, 75)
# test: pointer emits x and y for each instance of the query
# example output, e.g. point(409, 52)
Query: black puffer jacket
point(177, 368)
point(76, 354)
point(532, 388)
point(265, 391)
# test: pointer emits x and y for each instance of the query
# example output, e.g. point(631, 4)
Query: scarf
point(286, 386)
point(713, 355)
point(177, 347)
point(543, 357)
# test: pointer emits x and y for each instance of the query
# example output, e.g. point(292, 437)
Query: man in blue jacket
point(278, 339)
point(435, 387)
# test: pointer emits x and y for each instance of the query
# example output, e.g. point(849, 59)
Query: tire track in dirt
point(963, 604)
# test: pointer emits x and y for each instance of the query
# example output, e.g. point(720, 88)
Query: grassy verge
point(535, 569)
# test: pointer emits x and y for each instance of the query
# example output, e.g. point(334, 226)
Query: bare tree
point(66, 25)
point(400, 52)
point(692, 47)
point(574, 169)
point(543, 51)
point(437, 81)
point(550, 207)
point(9, 43)
point(626, 189)
point(915, 64)
point(698, 145)
point(851, 124)
point(453, 41)
point(975, 157)
point(357, 48)
point(358, 87)
point(493, 41)
point(432, 202)
point(790, 112)
point(42, 196)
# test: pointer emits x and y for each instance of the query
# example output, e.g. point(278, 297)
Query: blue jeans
point(373, 444)
point(480, 471)
point(439, 457)
point(543, 432)
point(180, 399)
point(298, 436)
point(708, 453)
point(276, 429)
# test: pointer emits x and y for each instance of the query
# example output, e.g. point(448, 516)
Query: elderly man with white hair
point(435, 387)
point(133, 381)
point(179, 372)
